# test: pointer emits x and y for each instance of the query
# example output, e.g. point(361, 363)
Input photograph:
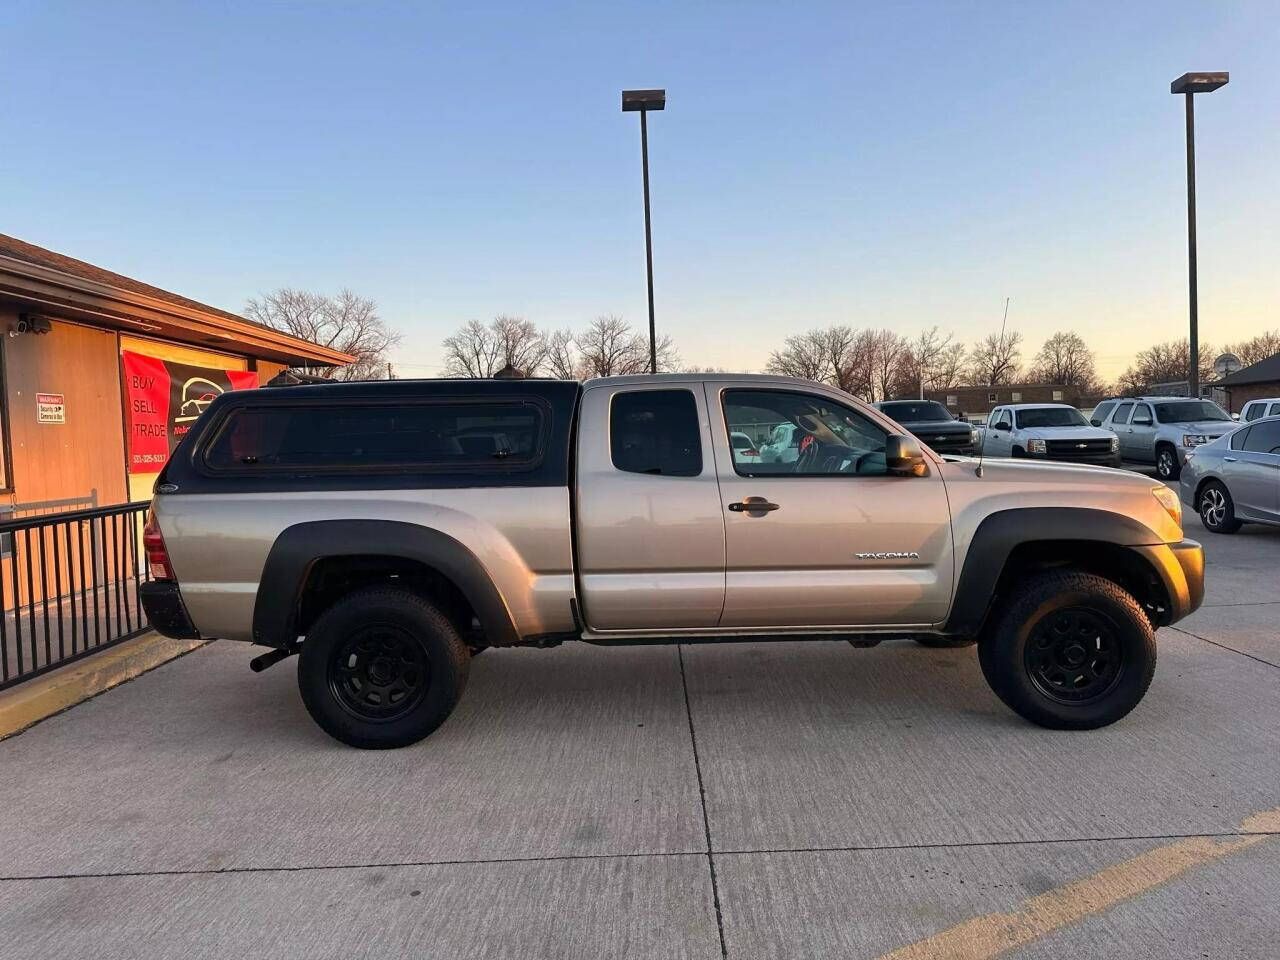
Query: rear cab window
point(655, 432)
point(463, 436)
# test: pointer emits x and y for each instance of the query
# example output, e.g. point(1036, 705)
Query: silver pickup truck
point(388, 532)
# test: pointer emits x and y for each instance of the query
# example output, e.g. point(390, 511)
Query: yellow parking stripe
point(995, 933)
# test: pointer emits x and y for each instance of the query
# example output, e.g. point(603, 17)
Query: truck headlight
point(1115, 444)
point(1036, 445)
point(1194, 439)
point(973, 435)
point(1169, 500)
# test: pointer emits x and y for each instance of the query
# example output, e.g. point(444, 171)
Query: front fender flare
point(999, 533)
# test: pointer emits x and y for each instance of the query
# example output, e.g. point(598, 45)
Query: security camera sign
point(51, 408)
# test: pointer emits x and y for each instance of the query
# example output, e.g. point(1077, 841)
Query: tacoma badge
point(889, 555)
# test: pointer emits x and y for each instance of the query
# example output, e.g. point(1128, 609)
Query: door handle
point(753, 505)
point(1230, 459)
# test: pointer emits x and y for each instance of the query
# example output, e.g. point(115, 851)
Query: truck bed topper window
point(438, 436)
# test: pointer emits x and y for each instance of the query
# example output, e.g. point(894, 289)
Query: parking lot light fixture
point(1189, 84)
point(642, 101)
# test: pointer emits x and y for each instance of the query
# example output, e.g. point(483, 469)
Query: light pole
point(644, 101)
point(1190, 84)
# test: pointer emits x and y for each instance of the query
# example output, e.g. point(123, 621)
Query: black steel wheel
point(382, 668)
point(1167, 467)
point(379, 672)
point(1217, 509)
point(1073, 655)
point(1069, 651)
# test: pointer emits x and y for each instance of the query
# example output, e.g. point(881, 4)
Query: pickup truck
point(1049, 431)
point(348, 523)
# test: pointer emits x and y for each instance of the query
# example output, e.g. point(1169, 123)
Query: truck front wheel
point(1070, 651)
point(382, 668)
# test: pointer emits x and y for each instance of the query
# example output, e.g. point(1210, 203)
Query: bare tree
point(803, 355)
point(609, 347)
point(481, 350)
point(562, 355)
point(1065, 358)
point(1167, 362)
point(995, 359)
point(347, 322)
point(889, 353)
point(931, 361)
point(1254, 349)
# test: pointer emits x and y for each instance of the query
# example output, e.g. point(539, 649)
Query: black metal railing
point(69, 586)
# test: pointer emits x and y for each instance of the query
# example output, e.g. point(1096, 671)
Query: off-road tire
point(928, 640)
point(1167, 465)
point(1216, 508)
point(1103, 621)
point(382, 635)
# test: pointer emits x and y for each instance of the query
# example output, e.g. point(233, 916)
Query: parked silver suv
point(1048, 431)
point(1161, 430)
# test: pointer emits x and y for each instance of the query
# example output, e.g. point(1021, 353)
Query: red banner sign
point(165, 399)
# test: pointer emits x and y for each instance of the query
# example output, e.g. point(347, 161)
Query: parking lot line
point(992, 934)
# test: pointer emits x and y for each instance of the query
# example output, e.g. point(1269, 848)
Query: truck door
point(1142, 435)
point(649, 530)
point(830, 539)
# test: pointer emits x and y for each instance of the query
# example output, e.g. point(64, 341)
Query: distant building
point(979, 401)
point(1261, 379)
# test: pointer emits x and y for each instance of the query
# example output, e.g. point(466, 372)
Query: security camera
point(33, 323)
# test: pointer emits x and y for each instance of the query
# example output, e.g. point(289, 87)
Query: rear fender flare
point(299, 547)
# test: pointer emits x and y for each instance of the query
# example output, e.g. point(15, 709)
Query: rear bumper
point(1180, 567)
point(162, 602)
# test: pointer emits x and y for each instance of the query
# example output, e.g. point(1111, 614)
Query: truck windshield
point(1051, 417)
point(921, 411)
point(1188, 411)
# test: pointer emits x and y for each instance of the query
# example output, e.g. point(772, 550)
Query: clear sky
point(900, 164)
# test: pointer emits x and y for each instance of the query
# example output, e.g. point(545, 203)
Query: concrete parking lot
point(753, 800)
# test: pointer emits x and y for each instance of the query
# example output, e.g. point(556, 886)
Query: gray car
point(1161, 430)
point(1235, 479)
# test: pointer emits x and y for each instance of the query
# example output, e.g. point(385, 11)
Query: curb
point(34, 700)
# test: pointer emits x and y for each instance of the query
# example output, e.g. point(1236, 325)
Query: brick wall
point(975, 401)
point(1237, 397)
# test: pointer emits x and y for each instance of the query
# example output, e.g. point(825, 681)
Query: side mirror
point(1096, 422)
point(1003, 426)
point(903, 456)
point(1235, 416)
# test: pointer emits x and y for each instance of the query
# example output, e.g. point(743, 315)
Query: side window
point(1101, 410)
point(1253, 411)
point(1274, 411)
point(458, 436)
point(828, 437)
point(655, 432)
point(1236, 442)
point(1005, 418)
point(1263, 438)
point(1122, 413)
point(1142, 415)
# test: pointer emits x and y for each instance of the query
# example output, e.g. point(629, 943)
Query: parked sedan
point(1235, 479)
point(744, 449)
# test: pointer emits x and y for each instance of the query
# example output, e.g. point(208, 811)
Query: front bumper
point(162, 602)
point(1180, 567)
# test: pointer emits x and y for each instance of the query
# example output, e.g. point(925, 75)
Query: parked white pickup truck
point(1048, 431)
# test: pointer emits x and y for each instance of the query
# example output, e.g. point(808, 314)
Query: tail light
point(157, 554)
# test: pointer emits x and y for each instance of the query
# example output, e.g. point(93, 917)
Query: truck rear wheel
point(1071, 651)
point(382, 668)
